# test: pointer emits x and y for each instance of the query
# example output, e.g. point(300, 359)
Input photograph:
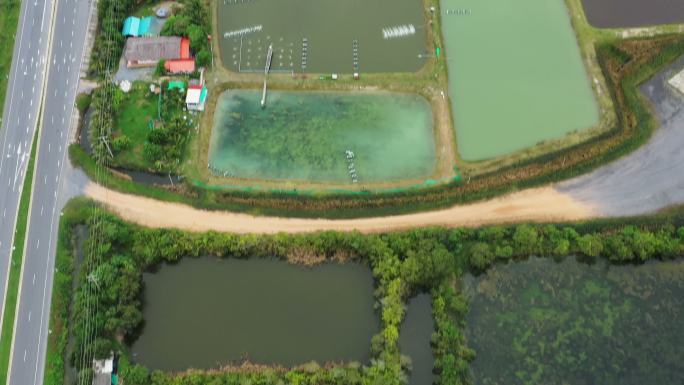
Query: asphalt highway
point(64, 63)
point(20, 118)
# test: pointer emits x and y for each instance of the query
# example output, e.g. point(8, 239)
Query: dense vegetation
point(192, 21)
point(625, 64)
point(109, 42)
point(403, 264)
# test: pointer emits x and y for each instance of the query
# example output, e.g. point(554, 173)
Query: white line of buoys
point(243, 31)
point(398, 31)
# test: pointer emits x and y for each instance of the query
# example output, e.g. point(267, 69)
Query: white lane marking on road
point(29, 316)
point(24, 355)
point(34, 279)
point(38, 244)
point(42, 207)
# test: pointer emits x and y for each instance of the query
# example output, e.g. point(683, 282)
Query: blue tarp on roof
point(145, 26)
point(136, 27)
point(131, 26)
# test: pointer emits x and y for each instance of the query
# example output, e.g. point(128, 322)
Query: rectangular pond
point(322, 35)
point(207, 311)
point(516, 76)
point(542, 322)
point(306, 136)
point(414, 339)
point(633, 13)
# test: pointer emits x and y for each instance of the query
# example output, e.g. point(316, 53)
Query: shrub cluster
point(192, 21)
point(622, 244)
point(109, 42)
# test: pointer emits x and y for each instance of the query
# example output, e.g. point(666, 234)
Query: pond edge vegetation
point(403, 264)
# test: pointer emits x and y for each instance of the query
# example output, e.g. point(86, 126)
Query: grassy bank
point(9, 20)
point(15, 268)
point(74, 213)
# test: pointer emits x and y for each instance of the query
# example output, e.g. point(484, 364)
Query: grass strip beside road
point(13, 281)
point(9, 19)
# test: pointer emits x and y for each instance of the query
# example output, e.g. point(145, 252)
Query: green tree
point(526, 240)
point(590, 245)
point(481, 255)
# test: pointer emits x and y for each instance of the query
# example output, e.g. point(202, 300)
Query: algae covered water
point(323, 136)
point(206, 312)
point(515, 75)
point(323, 35)
point(542, 322)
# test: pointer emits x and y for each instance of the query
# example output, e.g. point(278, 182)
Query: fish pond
point(546, 322)
point(322, 36)
point(205, 312)
point(415, 337)
point(322, 136)
point(516, 76)
point(633, 13)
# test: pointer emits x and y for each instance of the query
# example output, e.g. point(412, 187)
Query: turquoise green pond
point(542, 322)
point(516, 76)
point(307, 135)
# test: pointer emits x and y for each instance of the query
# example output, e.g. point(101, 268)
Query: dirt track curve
point(542, 204)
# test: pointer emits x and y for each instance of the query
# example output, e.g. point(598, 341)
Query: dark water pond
point(323, 35)
point(205, 312)
point(414, 339)
point(633, 13)
point(541, 322)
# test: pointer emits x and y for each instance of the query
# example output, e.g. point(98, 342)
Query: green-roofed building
point(176, 84)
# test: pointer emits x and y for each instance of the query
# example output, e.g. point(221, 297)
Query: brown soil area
point(535, 205)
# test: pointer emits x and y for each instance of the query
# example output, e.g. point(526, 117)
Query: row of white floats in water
point(350, 166)
point(387, 33)
point(399, 31)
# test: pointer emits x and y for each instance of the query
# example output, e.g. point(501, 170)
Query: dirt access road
point(543, 204)
point(647, 180)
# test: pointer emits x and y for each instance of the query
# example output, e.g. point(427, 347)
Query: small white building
point(196, 97)
point(103, 370)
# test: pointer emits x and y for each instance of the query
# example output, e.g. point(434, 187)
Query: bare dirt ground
point(542, 204)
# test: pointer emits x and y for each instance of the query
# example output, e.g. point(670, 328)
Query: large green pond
point(322, 35)
point(205, 312)
point(515, 75)
point(542, 322)
point(305, 136)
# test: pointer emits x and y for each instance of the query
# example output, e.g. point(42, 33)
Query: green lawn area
point(138, 108)
point(9, 18)
point(150, 142)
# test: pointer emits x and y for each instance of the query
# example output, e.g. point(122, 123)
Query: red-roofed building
point(185, 48)
point(180, 66)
